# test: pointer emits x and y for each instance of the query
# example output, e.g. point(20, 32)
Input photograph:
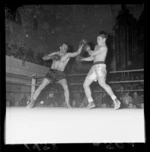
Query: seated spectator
point(98, 98)
point(81, 105)
point(126, 99)
point(51, 105)
point(74, 103)
point(63, 104)
point(23, 101)
point(40, 104)
point(7, 104)
point(107, 100)
point(137, 100)
point(85, 101)
point(55, 104)
point(142, 105)
point(16, 104)
point(11, 99)
point(120, 92)
point(98, 105)
point(103, 105)
point(129, 87)
point(60, 98)
point(50, 98)
point(77, 98)
point(131, 105)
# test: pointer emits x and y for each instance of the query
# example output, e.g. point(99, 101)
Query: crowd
point(52, 98)
point(26, 55)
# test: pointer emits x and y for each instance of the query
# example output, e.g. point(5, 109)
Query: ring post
point(33, 84)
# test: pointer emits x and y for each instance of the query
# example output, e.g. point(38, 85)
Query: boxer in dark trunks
point(98, 70)
point(56, 73)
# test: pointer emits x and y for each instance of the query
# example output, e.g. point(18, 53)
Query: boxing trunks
point(55, 75)
point(98, 69)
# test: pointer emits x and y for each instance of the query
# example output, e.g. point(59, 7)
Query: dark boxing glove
point(55, 57)
point(86, 47)
point(78, 58)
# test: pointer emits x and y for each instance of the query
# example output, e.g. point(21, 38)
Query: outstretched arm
point(77, 52)
point(48, 57)
point(91, 58)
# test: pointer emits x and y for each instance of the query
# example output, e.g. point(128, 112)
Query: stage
point(76, 125)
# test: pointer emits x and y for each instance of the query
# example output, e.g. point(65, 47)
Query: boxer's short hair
point(64, 43)
point(103, 34)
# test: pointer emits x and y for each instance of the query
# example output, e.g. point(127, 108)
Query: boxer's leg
point(101, 76)
point(63, 83)
point(44, 83)
point(86, 85)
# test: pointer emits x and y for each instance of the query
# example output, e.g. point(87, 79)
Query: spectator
point(129, 87)
point(81, 105)
point(61, 100)
point(39, 104)
point(120, 92)
point(55, 104)
point(77, 98)
point(104, 105)
point(142, 105)
point(98, 99)
point(11, 99)
point(16, 104)
point(42, 103)
point(107, 100)
point(137, 100)
point(74, 103)
point(85, 101)
point(126, 99)
point(98, 105)
point(51, 105)
point(50, 98)
point(131, 105)
point(7, 104)
point(23, 101)
point(64, 104)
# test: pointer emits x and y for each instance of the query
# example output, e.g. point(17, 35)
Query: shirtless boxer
point(56, 74)
point(98, 70)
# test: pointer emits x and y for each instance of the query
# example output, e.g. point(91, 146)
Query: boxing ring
point(78, 125)
point(75, 125)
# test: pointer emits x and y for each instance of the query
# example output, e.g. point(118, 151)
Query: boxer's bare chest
point(63, 60)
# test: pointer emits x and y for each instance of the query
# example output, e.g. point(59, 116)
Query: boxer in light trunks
point(98, 70)
point(56, 74)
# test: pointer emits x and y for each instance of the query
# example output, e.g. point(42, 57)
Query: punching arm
point(48, 57)
point(91, 58)
point(77, 52)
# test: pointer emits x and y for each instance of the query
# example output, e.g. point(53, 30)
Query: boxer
point(56, 73)
point(98, 70)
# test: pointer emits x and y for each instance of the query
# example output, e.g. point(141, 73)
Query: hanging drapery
point(126, 39)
